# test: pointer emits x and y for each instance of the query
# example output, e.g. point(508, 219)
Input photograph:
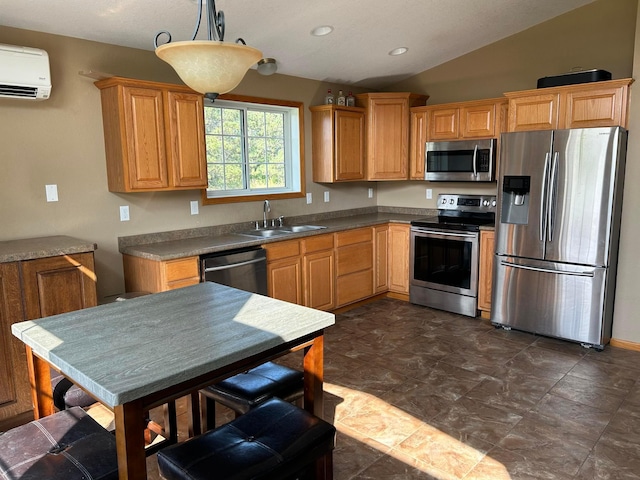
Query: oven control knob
point(485, 203)
point(493, 203)
point(444, 201)
point(451, 202)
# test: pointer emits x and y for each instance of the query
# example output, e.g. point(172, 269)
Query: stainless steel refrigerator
point(557, 230)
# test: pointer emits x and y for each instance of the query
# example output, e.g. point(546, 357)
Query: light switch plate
point(326, 197)
point(309, 198)
point(370, 192)
point(194, 207)
point(52, 193)
point(124, 213)
point(429, 194)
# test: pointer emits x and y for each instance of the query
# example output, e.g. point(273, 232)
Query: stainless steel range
point(445, 253)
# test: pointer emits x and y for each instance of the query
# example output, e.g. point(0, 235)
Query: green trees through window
point(252, 148)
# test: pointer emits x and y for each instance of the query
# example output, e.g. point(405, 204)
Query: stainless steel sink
point(267, 233)
point(302, 228)
point(280, 231)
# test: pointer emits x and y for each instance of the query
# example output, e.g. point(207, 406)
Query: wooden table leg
point(40, 379)
point(130, 424)
point(314, 377)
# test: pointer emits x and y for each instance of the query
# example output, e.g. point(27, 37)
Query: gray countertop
point(130, 349)
point(192, 245)
point(42, 247)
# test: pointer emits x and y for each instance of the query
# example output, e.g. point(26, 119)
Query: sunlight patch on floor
point(396, 433)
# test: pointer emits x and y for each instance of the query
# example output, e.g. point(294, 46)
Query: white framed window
point(254, 149)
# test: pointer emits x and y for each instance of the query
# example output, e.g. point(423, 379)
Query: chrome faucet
point(265, 209)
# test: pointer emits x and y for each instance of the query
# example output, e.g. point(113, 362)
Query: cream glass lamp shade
point(209, 66)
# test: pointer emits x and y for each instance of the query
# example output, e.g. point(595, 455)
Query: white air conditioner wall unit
point(24, 73)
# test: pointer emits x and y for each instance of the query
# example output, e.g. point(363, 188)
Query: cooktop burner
point(461, 212)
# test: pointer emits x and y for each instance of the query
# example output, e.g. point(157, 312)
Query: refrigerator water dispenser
point(515, 199)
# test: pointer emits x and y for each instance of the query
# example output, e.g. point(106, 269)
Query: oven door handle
point(442, 232)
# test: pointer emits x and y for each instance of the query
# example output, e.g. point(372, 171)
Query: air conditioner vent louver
point(14, 91)
point(24, 73)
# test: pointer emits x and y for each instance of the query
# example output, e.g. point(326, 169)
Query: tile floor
point(416, 393)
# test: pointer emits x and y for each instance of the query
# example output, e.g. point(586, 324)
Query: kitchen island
point(133, 356)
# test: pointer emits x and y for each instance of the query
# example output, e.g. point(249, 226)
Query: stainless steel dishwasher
point(245, 269)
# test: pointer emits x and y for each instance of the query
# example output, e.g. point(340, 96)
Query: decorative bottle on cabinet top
point(341, 98)
point(351, 100)
point(329, 100)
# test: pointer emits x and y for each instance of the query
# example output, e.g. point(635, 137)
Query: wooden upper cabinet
point(154, 136)
point(418, 139)
point(462, 120)
point(478, 121)
point(337, 143)
point(444, 123)
point(387, 134)
point(602, 106)
point(534, 112)
point(597, 104)
point(187, 150)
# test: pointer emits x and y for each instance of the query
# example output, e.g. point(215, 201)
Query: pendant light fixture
point(211, 67)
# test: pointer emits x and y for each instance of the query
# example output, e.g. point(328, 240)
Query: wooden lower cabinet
point(381, 250)
point(318, 272)
point(29, 290)
point(144, 275)
point(354, 265)
point(284, 271)
point(485, 273)
point(15, 393)
point(399, 258)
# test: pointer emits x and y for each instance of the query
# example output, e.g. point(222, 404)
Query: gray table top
point(125, 350)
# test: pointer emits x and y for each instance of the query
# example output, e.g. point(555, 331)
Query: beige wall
point(626, 318)
point(60, 141)
point(598, 35)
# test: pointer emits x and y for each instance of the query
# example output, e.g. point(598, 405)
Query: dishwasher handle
point(232, 265)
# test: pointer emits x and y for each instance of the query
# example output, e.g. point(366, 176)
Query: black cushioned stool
point(68, 445)
point(275, 440)
point(247, 390)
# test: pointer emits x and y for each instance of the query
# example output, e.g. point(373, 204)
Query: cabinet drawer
point(354, 287)
point(181, 269)
point(318, 243)
point(277, 250)
point(354, 236)
point(354, 258)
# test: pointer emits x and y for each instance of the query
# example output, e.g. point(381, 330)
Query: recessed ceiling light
point(322, 30)
point(398, 51)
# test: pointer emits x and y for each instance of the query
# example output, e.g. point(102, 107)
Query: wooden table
point(136, 355)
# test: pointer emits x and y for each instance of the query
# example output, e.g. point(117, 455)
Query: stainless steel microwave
point(461, 161)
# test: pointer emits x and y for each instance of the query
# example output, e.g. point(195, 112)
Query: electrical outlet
point(124, 213)
point(309, 198)
point(429, 194)
point(194, 207)
point(370, 192)
point(52, 193)
point(326, 197)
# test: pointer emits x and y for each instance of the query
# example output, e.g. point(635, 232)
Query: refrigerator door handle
point(547, 270)
point(543, 196)
point(552, 195)
point(475, 161)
